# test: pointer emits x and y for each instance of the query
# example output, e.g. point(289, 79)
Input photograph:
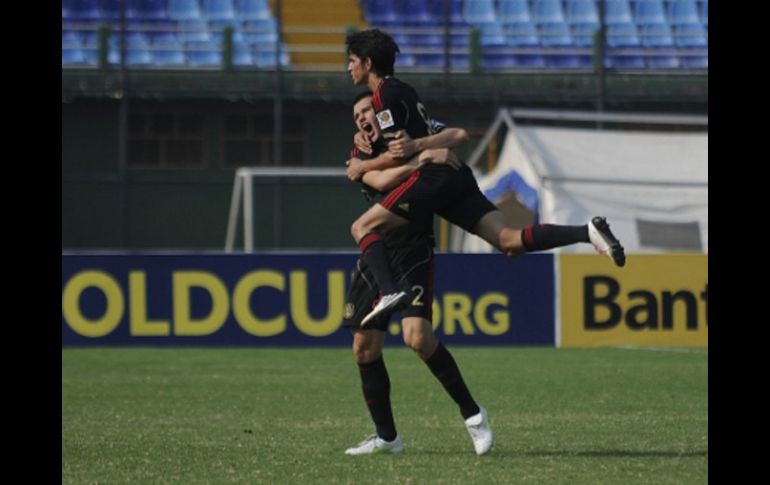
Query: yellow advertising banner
point(654, 300)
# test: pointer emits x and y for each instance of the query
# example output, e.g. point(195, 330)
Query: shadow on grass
point(568, 453)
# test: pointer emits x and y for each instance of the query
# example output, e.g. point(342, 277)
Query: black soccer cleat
point(604, 241)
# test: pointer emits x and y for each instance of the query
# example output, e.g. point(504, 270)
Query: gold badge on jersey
point(349, 310)
point(385, 119)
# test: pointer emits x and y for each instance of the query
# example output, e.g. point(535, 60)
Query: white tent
point(651, 186)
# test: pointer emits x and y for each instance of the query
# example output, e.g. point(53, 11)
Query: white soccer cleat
point(373, 445)
point(604, 241)
point(388, 303)
point(481, 433)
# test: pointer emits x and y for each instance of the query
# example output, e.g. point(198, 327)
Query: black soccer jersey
point(398, 107)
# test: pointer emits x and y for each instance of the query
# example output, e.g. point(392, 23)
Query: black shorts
point(439, 189)
point(412, 269)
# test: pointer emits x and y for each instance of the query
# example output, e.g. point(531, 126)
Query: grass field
point(142, 415)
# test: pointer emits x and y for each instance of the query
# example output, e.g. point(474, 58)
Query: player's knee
point(420, 343)
point(365, 354)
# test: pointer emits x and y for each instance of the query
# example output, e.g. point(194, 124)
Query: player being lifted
point(434, 188)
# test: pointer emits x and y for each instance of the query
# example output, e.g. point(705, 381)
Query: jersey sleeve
point(392, 111)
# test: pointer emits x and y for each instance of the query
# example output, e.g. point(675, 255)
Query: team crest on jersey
point(349, 310)
point(385, 119)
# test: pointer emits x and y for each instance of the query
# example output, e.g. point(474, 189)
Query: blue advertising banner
point(289, 299)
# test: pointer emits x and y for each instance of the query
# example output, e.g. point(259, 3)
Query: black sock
point(376, 258)
point(376, 386)
point(444, 367)
point(549, 236)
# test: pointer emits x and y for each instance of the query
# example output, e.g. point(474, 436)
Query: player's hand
point(439, 155)
point(362, 142)
point(355, 169)
point(402, 145)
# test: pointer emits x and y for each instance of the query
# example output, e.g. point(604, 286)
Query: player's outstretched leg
point(604, 241)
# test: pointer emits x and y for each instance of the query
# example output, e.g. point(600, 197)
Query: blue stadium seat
point(83, 10)
point(219, 9)
point(618, 12)
point(557, 35)
point(167, 51)
point(683, 12)
point(90, 45)
point(583, 18)
point(242, 53)
point(649, 12)
point(262, 31)
point(138, 52)
point(253, 10)
point(109, 9)
point(582, 12)
point(71, 49)
point(523, 35)
point(547, 11)
point(436, 11)
point(65, 9)
point(193, 30)
point(623, 37)
point(202, 53)
point(380, 12)
point(184, 10)
point(479, 11)
point(415, 13)
point(146, 9)
point(491, 34)
point(657, 38)
point(264, 56)
point(513, 11)
point(704, 13)
point(692, 39)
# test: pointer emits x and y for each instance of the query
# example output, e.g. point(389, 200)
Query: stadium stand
point(513, 34)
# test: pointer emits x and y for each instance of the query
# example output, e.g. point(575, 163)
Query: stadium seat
point(242, 53)
point(65, 9)
point(109, 10)
point(218, 10)
point(201, 53)
point(436, 11)
point(184, 10)
point(415, 13)
point(262, 31)
point(90, 46)
point(547, 12)
point(253, 10)
point(193, 30)
point(683, 12)
point(583, 18)
point(618, 12)
point(582, 12)
point(704, 13)
point(264, 56)
point(649, 12)
point(692, 39)
point(380, 12)
point(137, 50)
point(523, 35)
point(167, 50)
point(146, 9)
point(556, 35)
point(71, 49)
point(622, 37)
point(513, 12)
point(479, 11)
point(657, 38)
point(83, 10)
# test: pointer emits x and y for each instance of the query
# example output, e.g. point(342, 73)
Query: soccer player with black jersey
point(410, 247)
point(435, 189)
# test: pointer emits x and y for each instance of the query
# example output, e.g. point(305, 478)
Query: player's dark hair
point(376, 45)
point(362, 95)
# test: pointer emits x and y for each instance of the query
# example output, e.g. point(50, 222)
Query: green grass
point(286, 416)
